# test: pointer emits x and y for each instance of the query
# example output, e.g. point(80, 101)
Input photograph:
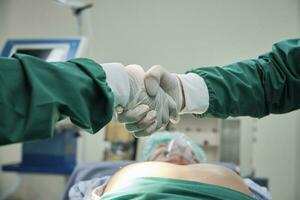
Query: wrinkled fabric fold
point(257, 87)
point(35, 94)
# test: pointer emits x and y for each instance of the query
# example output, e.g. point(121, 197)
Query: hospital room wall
point(180, 35)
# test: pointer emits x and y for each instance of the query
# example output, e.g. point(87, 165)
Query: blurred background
point(179, 35)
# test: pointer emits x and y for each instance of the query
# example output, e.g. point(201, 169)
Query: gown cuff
point(195, 93)
point(118, 81)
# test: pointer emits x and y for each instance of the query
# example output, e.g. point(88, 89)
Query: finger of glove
point(144, 123)
point(146, 132)
point(152, 128)
point(133, 115)
point(174, 118)
point(173, 110)
point(152, 79)
point(169, 108)
point(165, 115)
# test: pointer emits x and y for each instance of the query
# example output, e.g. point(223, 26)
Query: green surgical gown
point(34, 95)
point(258, 87)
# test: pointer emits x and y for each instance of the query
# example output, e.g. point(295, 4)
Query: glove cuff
point(195, 92)
point(118, 81)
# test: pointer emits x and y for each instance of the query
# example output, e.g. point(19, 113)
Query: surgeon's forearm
point(35, 94)
point(269, 84)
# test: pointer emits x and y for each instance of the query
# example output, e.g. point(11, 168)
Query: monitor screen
point(39, 53)
point(50, 50)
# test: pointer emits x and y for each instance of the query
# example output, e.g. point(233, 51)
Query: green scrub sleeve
point(258, 87)
point(35, 94)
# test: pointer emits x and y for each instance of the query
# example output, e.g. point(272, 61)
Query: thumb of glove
point(157, 79)
point(152, 80)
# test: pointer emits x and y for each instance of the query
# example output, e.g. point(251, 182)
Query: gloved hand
point(144, 114)
point(189, 91)
point(158, 78)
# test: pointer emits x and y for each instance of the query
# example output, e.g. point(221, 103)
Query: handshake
point(154, 98)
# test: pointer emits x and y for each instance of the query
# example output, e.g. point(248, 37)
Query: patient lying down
point(156, 180)
point(175, 169)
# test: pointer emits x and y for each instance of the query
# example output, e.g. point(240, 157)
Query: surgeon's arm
point(269, 84)
point(34, 95)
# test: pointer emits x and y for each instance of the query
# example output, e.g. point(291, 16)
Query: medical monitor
point(51, 50)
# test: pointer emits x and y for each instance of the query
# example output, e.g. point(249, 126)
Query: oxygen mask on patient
point(181, 151)
point(174, 148)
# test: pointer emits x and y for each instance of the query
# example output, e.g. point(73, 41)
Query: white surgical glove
point(118, 81)
point(158, 78)
point(189, 91)
point(141, 113)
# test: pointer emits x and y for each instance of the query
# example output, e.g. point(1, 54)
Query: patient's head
point(173, 147)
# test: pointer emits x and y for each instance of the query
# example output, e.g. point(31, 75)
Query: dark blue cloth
point(87, 171)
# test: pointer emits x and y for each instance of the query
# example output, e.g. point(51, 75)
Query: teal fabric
point(164, 188)
point(35, 94)
point(258, 87)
